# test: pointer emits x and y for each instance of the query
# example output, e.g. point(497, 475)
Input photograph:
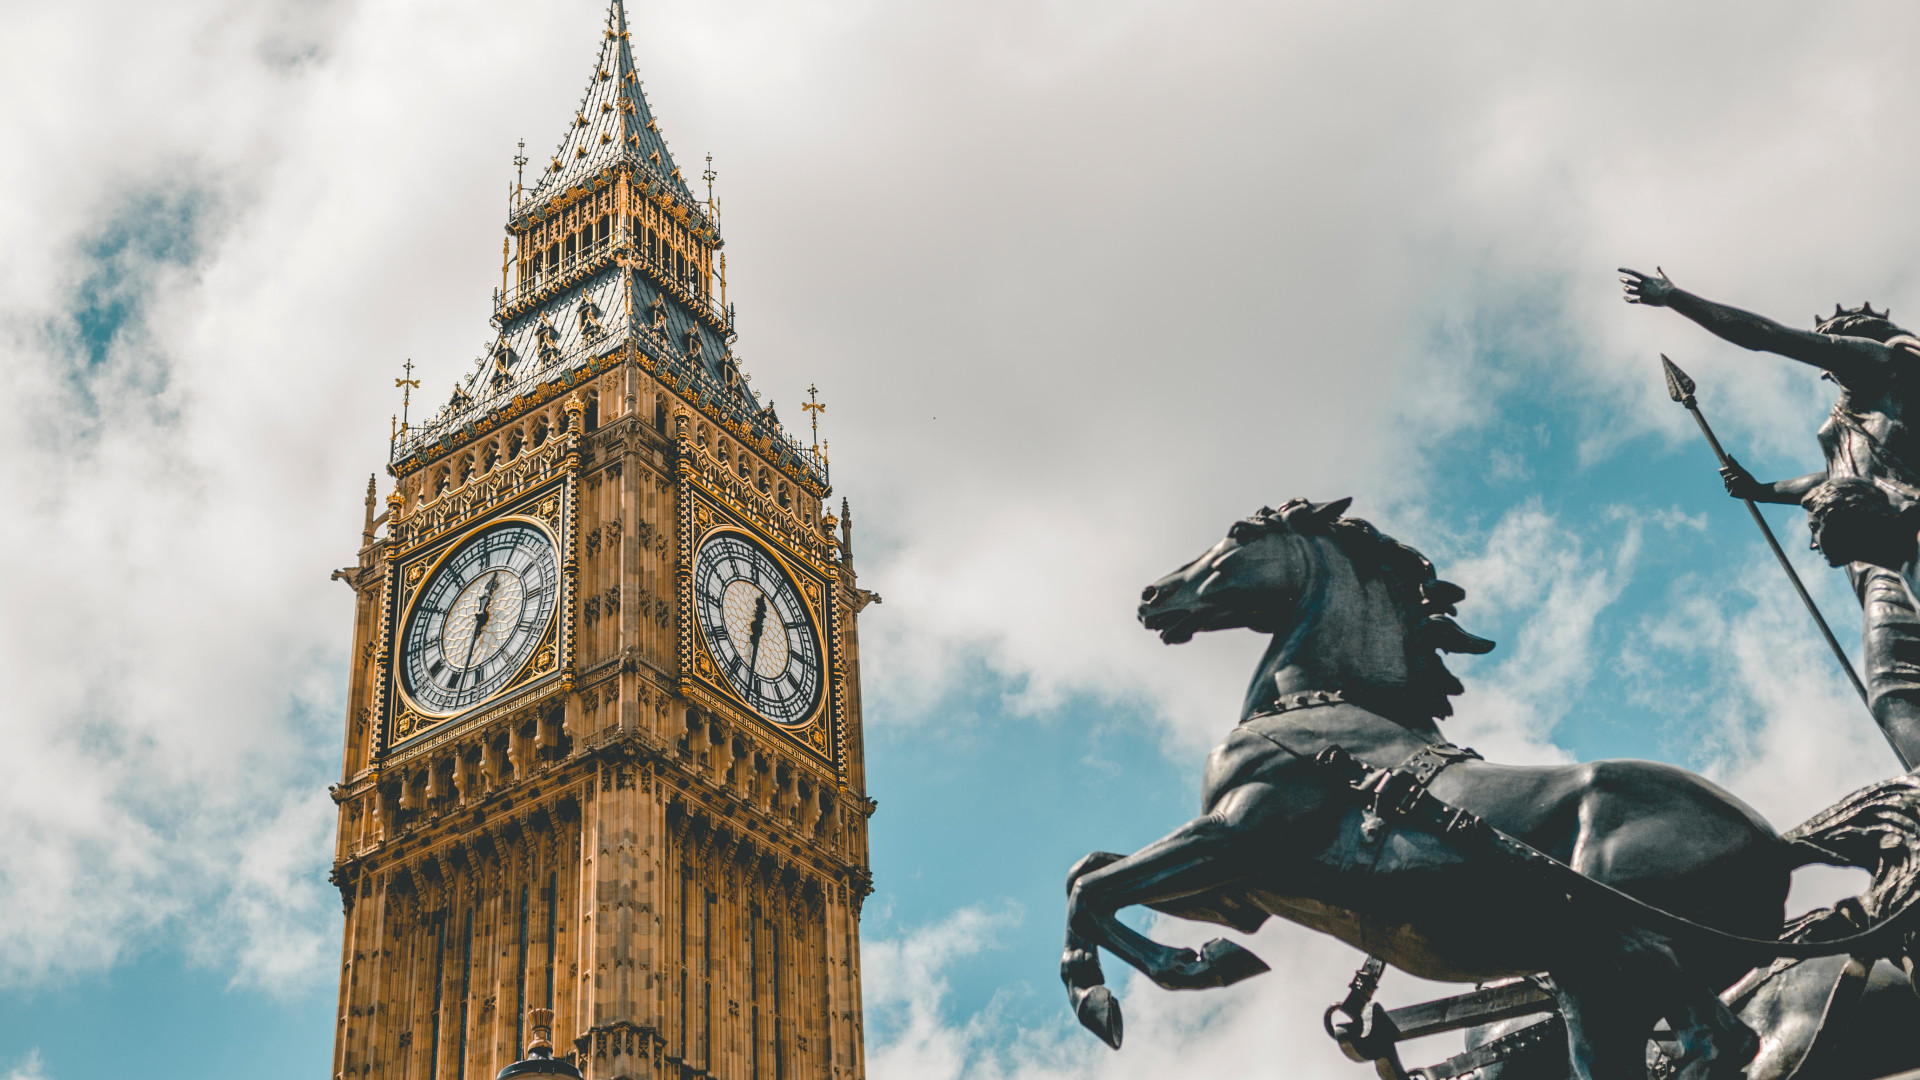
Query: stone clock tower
point(603, 744)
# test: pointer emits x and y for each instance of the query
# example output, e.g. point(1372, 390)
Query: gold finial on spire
point(519, 172)
point(407, 386)
point(713, 211)
point(814, 407)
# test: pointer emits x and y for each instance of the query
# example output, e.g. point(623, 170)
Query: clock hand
point(759, 627)
point(480, 621)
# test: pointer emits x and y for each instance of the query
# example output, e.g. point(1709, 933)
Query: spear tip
point(1679, 386)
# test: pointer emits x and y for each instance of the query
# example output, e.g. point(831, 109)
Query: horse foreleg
point(1194, 858)
point(1200, 856)
point(1092, 1002)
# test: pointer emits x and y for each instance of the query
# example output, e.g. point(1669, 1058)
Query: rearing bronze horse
point(1359, 622)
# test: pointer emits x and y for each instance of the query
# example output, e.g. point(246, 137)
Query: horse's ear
point(1441, 596)
point(1440, 632)
point(1328, 513)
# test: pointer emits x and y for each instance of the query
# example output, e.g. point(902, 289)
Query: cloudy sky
point(1081, 281)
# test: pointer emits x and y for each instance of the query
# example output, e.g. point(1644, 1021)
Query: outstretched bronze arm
point(1848, 358)
point(1741, 485)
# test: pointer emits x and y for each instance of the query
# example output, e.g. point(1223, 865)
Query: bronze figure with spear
point(1862, 503)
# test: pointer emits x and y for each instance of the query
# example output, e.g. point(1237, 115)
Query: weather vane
point(519, 171)
point(814, 407)
point(713, 208)
point(407, 386)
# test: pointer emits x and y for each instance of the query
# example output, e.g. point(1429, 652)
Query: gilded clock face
point(479, 617)
point(757, 628)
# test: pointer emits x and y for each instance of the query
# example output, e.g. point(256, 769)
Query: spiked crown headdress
point(1850, 321)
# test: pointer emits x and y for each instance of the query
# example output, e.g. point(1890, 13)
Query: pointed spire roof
point(613, 123)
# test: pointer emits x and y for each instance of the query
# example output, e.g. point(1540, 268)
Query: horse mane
point(1426, 601)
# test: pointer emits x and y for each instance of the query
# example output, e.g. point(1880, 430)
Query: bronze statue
point(1831, 1018)
point(1876, 364)
point(1639, 889)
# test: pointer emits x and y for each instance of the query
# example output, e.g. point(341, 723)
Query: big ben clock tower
point(603, 747)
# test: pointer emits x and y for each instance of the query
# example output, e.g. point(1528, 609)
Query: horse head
point(1349, 608)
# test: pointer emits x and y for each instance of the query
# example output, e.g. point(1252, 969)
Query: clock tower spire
point(603, 748)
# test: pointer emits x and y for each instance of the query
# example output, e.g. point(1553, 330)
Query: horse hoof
point(1100, 1014)
point(1229, 963)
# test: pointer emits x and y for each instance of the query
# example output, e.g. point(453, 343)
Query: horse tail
point(1876, 829)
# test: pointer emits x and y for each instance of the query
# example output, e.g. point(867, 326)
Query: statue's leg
point(1891, 649)
point(1607, 1025)
point(1192, 859)
point(1187, 861)
point(1210, 852)
point(1093, 1004)
point(1715, 1044)
point(1611, 997)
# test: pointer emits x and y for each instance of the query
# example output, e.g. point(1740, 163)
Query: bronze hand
point(1654, 291)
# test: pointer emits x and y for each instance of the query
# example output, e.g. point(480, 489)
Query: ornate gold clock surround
point(704, 516)
point(549, 669)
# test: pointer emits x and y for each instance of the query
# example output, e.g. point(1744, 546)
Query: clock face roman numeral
point(479, 617)
point(757, 629)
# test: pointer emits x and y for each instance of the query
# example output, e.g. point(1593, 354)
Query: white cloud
point(1240, 1030)
point(1082, 282)
point(29, 1068)
point(1398, 265)
point(904, 986)
point(1773, 718)
point(1559, 584)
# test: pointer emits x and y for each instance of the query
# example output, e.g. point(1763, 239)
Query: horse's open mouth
point(1174, 627)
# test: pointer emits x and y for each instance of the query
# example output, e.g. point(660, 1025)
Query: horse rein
point(1400, 795)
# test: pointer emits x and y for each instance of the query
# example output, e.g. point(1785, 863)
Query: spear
point(1680, 387)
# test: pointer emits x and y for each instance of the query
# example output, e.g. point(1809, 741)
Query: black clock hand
point(480, 621)
point(759, 627)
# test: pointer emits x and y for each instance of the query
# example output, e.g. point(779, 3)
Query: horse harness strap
point(1425, 763)
point(1381, 701)
point(1400, 793)
point(1372, 1032)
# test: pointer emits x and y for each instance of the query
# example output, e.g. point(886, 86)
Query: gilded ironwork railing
point(689, 379)
point(687, 285)
point(567, 268)
point(651, 179)
point(743, 415)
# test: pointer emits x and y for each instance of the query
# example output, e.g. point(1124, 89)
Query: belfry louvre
point(603, 749)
